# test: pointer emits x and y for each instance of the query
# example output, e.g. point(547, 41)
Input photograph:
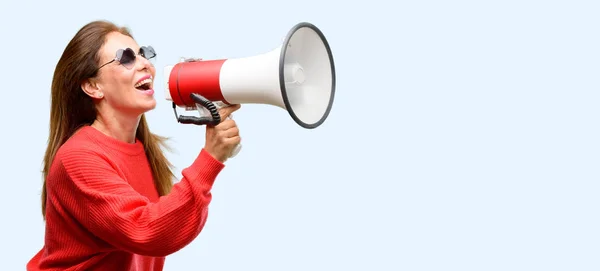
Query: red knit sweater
point(103, 211)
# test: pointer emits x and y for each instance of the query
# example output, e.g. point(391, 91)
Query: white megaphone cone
point(298, 76)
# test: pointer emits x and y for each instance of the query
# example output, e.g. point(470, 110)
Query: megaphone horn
point(298, 76)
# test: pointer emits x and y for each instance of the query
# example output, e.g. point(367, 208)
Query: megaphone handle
point(203, 105)
point(236, 150)
point(238, 147)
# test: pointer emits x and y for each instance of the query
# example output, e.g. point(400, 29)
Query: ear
point(91, 88)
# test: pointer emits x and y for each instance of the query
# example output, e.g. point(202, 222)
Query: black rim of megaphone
point(282, 78)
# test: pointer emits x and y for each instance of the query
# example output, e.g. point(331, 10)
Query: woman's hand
point(221, 139)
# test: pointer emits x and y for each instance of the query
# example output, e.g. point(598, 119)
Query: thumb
point(226, 111)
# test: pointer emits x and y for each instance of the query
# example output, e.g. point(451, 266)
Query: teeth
point(149, 80)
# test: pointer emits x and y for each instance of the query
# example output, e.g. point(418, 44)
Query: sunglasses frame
point(121, 52)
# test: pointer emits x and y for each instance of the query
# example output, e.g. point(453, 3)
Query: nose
point(144, 63)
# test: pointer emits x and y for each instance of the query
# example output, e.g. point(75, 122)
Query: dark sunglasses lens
point(127, 58)
point(147, 52)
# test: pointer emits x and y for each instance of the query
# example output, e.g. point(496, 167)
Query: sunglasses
point(127, 56)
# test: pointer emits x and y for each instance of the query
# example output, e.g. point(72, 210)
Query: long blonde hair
point(71, 108)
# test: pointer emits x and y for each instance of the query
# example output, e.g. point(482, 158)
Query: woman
point(108, 198)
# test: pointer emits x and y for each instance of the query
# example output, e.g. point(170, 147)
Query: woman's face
point(129, 90)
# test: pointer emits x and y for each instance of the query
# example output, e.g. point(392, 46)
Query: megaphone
point(298, 76)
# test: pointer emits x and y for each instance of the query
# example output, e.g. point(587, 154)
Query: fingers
point(229, 137)
point(229, 133)
point(227, 129)
point(226, 111)
point(226, 124)
point(233, 141)
point(222, 138)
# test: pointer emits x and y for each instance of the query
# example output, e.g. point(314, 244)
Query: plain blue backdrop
point(464, 134)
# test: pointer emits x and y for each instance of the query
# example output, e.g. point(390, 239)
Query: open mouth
point(144, 85)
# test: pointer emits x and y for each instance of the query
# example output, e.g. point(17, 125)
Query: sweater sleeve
point(97, 197)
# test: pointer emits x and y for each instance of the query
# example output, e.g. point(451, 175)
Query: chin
point(150, 105)
point(142, 107)
point(145, 100)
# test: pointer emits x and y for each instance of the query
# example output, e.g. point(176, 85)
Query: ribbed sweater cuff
point(205, 168)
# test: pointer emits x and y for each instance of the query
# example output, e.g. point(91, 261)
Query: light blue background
point(464, 134)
